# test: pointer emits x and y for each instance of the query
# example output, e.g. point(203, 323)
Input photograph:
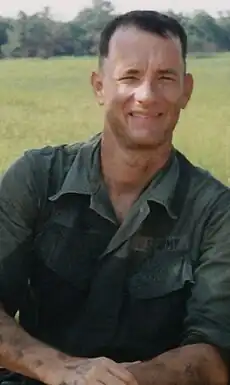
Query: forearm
point(21, 353)
point(188, 365)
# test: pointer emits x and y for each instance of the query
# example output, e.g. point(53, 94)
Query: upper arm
point(208, 314)
point(18, 210)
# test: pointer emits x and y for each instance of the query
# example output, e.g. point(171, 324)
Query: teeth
point(141, 116)
point(145, 116)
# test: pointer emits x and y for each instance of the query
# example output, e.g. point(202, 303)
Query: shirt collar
point(84, 177)
point(162, 187)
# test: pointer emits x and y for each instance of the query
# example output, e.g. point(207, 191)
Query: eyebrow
point(132, 71)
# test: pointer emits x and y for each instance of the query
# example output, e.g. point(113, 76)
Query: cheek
point(173, 99)
point(118, 97)
point(172, 95)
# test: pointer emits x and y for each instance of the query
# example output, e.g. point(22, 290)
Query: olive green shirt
point(184, 284)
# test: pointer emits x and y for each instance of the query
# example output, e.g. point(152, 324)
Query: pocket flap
point(165, 272)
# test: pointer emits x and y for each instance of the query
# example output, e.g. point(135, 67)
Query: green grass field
point(50, 102)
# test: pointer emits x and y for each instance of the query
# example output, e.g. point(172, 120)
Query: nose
point(146, 93)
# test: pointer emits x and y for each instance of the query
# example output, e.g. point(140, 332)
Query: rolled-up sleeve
point(208, 311)
point(18, 210)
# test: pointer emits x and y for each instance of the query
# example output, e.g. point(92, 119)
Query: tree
point(224, 23)
point(92, 20)
point(41, 36)
point(4, 24)
point(63, 41)
point(214, 37)
point(30, 36)
point(13, 45)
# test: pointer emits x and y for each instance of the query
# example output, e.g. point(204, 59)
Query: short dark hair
point(146, 20)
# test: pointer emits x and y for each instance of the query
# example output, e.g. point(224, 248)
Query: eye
point(167, 78)
point(129, 77)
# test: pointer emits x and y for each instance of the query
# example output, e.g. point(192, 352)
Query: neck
point(129, 170)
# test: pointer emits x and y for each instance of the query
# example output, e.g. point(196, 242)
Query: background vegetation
point(40, 35)
point(51, 102)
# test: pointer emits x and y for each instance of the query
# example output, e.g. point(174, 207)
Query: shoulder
point(206, 191)
point(64, 153)
point(33, 169)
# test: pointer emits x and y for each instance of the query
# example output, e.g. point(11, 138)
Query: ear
point(188, 88)
point(97, 85)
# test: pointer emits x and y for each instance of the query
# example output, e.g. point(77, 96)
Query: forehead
point(130, 46)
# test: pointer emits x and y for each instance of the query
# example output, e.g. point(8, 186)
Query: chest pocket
point(66, 254)
point(164, 273)
point(157, 296)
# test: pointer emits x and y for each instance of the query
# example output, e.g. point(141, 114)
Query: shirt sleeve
point(208, 310)
point(18, 211)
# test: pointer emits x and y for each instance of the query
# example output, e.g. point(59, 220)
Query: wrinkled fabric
point(90, 286)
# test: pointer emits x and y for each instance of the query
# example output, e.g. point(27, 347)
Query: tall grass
point(51, 102)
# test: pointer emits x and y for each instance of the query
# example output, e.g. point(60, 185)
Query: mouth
point(145, 116)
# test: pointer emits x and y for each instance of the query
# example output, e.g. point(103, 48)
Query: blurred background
point(48, 50)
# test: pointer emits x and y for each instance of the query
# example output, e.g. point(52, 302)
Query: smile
point(145, 116)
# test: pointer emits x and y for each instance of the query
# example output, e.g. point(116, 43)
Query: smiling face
point(143, 87)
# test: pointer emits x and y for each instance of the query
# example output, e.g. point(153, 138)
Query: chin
point(144, 143)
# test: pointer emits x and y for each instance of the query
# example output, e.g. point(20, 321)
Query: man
point(116, 252)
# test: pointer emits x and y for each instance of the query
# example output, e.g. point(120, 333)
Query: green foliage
point(4, 25)
point(41, 36)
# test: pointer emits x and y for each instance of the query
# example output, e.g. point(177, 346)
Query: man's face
point(143, 87)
